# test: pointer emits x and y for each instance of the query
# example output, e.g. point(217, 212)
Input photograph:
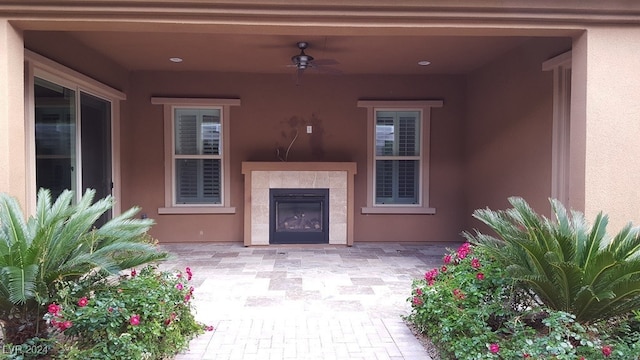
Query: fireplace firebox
point(299, 216)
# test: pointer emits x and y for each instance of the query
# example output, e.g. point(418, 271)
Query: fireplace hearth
point(299, 216)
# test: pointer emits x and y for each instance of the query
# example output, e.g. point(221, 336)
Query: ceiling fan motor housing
point(302, 60)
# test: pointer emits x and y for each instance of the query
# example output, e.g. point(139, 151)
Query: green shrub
point(142, 316)
point(460, 303)
point(472, 316)
point(564, 263)
point(59, 243)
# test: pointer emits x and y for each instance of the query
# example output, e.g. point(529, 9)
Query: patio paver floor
point(304, 301)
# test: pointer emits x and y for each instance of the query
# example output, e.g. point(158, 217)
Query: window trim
point(424, 107)
point(560, 147)
point(169, 105)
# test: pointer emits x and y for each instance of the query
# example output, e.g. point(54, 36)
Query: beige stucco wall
point(13, 145)
point(607, 69)
point(508, 129)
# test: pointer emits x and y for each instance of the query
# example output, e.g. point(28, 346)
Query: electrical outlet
point(309, 129)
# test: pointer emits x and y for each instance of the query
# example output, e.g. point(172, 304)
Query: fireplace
point(261, 177)
point(299, 216)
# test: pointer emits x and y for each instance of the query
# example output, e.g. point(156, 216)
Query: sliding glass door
point(73, 140)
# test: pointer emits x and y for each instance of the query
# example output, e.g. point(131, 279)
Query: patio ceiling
point(271, 54)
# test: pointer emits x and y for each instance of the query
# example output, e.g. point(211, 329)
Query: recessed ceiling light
point(424, 62)
point(175, 59)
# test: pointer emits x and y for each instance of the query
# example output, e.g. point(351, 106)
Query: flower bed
point(470, 308)
point(145, 315)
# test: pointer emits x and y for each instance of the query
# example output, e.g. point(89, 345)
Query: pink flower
point(210, 328)
point(606, 351)
point(110, 309)
point(431, 274)
point(419, 292)
point(189, 274)
point(443, 269)
point(179, 286)
point(54, 308)
point(494, 348)
point(464, 250)
point(134, 320)
point(187, 298)
point(480, 276)
point(133, 272)
point(475, 263)
point(447, 259)
point(83, 301)
point(417, 301)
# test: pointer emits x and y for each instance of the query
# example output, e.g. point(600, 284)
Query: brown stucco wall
point(508, 129)
point(272, 109)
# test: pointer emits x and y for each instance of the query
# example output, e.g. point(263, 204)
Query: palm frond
point(21, 283)
point(566, 263)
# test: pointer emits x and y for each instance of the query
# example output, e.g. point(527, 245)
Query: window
point(196, 155)
point(398, 171)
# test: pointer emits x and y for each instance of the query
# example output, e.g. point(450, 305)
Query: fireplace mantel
point(259, 177)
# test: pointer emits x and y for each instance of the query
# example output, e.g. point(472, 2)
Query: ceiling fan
point(302, 62)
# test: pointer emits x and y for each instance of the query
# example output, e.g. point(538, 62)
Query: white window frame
point(170, 104)
point(560, 148)
point(424, 108)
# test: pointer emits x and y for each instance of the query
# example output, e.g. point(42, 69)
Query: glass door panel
point(55, 135)
point(95, 129)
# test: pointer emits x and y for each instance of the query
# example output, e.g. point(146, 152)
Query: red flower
point(133, 273)
point(210, 328)
point(475, 263)
point(494, 348)
point(447, 259)
point(606, 351)
point(187, 298)
point(54, 308)
point(527, 356)
point(443, 268)
point(417, 301)
point(480, 276)
point(62, 326)
point(83, 301)
point(419, 292)
point(134, 320)
point(458, 294)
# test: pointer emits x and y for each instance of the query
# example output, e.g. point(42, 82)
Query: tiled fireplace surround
point(259, 177)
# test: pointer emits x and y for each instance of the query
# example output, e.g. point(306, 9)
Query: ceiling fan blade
point(299, 73)
point(327, 70)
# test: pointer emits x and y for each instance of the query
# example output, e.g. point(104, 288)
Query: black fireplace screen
point(299, 216)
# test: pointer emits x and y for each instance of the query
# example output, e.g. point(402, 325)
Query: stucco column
point(13, 147)
point(606, 114)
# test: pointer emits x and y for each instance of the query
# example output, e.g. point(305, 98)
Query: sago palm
point(567, 264)
point(60, 243)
